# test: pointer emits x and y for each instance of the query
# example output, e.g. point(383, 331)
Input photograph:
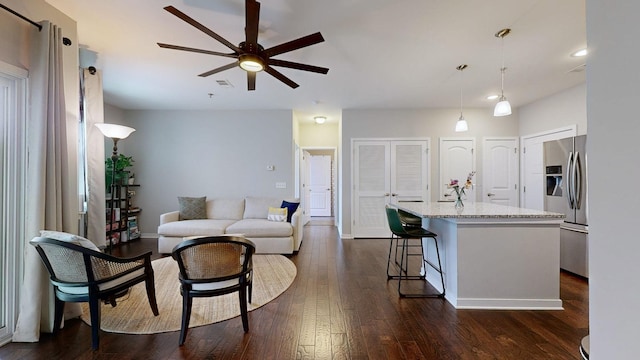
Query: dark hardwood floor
point(341, 307)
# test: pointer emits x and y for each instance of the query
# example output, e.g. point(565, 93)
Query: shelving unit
point(122, 216)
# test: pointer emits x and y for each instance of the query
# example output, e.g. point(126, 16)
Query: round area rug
point(272, 275)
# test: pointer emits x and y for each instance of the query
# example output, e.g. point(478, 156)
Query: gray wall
point(568, 107)
point(613, 95)
point(408, 123)
point(207, 153)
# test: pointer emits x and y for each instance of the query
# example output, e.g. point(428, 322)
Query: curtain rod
point(65, 40)
point(22, 17)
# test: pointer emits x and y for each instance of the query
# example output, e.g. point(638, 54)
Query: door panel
point(409, 171)
point(457, 160)
point(320, 185)
point(500, 171)
point(386, 171)
point(372, 188)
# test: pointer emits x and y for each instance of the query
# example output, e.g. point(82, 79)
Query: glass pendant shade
point(462, 125)
point(115, 131)
point(503, 108)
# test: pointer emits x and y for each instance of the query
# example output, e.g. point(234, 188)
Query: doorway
point(318, 185)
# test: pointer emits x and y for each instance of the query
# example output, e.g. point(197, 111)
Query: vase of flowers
point(459, 189)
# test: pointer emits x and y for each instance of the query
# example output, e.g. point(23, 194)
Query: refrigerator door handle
point(569, 176)
point(577, 184)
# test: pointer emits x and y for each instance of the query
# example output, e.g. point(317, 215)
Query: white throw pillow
point(277, 214)
point(71, 238)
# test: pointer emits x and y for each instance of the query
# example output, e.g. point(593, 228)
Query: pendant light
point(461, 125)
point(503, 107)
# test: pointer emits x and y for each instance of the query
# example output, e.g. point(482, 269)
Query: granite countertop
point(478, 210)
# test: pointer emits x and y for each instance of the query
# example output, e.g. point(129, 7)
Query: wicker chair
point(213, 266)
point(79, 274)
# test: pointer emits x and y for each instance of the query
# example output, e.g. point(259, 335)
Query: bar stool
point(401, 239)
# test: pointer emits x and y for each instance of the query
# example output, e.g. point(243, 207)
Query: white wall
point(207, 153)
point(319, 135)
point(568, 107)
point(613, 95)
point(405, 123)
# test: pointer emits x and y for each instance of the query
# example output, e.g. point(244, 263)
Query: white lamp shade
point(502, 108)
point(115, 131)
point(462, 125)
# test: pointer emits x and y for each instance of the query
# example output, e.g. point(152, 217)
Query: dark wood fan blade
point(251, 80)
point(278, 75)
point(297, 66)
point(202, 28)
point(221, 68)
point(252, 19)
point(208, 52)
point(294, 44)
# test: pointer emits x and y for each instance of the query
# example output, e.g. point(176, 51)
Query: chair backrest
point(73, 264)
point(213, 258)
point(64, 261)
point(393, 218)
point(409, 219)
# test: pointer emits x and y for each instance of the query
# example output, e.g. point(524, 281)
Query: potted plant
point(122, 164)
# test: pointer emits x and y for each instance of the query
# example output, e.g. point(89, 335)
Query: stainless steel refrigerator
point(565, 172)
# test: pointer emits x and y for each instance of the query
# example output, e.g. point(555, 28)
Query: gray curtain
point(94, 152)
point(51, 195)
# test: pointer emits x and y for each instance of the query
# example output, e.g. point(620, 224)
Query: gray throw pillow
point(192, 208)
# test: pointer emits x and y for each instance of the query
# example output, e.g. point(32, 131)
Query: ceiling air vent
point(224, 83)
point(579, 68)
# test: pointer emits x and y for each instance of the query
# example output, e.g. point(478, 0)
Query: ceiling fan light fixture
point(251, 63)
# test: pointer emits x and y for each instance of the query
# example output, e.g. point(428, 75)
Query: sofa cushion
point(71, 238)
point(258, 207)
point(202, 227)
point(225, 209)
point(261, 228)
point(291, 208)
point(192, 207)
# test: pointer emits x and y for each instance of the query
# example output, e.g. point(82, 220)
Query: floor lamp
point(115, 132)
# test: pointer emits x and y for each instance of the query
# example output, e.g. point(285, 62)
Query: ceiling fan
point(249, 54)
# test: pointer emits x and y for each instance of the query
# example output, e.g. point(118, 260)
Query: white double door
point(386, 172)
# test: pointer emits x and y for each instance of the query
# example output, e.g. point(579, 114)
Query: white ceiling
point(381, 53)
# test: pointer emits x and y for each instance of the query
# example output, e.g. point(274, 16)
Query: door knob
point(447, 195)
point(491, 194)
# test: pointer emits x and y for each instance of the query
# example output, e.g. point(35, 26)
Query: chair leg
point(151, 294)
point(242, 293)
point(186, 316)
point(94, 313)
point(392, 240)
point(57, 314)
point(425, 262)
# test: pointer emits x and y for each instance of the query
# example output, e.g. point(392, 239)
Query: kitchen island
point(494, 256)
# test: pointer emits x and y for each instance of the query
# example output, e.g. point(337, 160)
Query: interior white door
point(386, 171)
point(409, 164)
point(500, 171)
point(320, 185)
point(306, 194)
point(372, 184)
point(532, 194)
point(457, 160)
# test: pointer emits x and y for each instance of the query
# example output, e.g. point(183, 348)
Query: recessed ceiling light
point(492, 97)
point(580, 53)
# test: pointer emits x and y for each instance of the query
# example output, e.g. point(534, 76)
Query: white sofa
point(246, 216)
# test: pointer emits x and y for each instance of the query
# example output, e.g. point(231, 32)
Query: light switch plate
point(281, 185)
